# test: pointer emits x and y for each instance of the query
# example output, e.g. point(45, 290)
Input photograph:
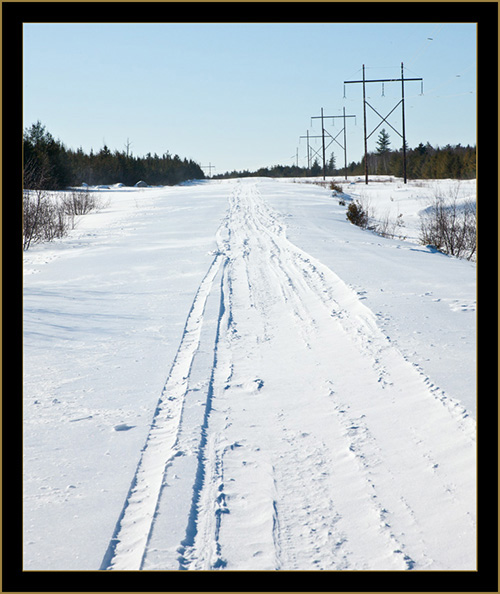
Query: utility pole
point(333, 138)
point(209, 167)
point(323, 141)
point(308, 149)
point(344, 116)
point(322, 116)
point(384, 119)
point(403, 120)
point(308, 159)
point(364, 127)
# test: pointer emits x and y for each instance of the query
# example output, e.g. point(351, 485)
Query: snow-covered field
point(229, 375)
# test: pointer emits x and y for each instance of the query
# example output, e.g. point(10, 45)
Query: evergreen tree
point(42, 153)
point(47, 161)
point(383, 142)
point(315, 169)
point(382, 153)
point(331, 165)
point(421, 149)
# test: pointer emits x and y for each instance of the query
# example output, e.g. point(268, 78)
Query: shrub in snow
point(47, 217)
point(79, 203)
point(450, 226)
point(357, 214)
point(391, 228)
point(43, 218)
point(336, 188)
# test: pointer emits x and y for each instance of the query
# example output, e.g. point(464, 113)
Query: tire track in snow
point(368, 475)
point(416, 410)
point(299, 465)
point(128, 545)
point(415, 400)
point(205, 550)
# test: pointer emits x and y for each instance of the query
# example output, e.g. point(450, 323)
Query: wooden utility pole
point(344, 116)
point(308, 149)
point(322, 116)
point(209, 167)
point(308, 158)
point(403, 119)
point(384, 119)
point(364, 127)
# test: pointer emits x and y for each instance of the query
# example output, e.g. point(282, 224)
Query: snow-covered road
point(320, 443)
point(291, 432)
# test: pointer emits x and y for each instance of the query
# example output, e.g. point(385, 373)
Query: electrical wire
point(426, 44)
point(449, 80)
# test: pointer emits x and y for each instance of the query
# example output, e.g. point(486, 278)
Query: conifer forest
point(49, 163)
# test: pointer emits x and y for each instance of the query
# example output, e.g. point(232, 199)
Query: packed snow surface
point(231, 376)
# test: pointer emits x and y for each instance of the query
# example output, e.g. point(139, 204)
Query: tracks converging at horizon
point(233, 474)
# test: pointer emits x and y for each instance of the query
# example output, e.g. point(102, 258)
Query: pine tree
point(315, 169)
point(46, 155)
point(383, 151)
point(383, 142)
point(331, 164)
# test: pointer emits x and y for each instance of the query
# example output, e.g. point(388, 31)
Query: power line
point(344, 116)
point(309, 147)
point(209, 167)
point(333, 138)
point(364, 81)
point(449, 80)
point(426, 44)
point(322, 116)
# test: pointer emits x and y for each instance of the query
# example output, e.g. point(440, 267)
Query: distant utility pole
point(402, 80)
point(323, 139)
point(308, 149)
point(209, 167)
point(344, 116)
point(333, 139)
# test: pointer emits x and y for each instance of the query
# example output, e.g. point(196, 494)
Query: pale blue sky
point(240, 95)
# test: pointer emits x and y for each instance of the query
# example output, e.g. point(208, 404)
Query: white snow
point(229, 375)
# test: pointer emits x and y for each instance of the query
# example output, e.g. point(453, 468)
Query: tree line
point(50, 164)
point(422, 162)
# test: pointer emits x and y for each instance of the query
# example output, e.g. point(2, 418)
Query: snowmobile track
point(364, 493)
point(128, 545)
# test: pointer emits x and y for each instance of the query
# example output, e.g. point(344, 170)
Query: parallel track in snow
point(338, 454)
point(128, 545)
